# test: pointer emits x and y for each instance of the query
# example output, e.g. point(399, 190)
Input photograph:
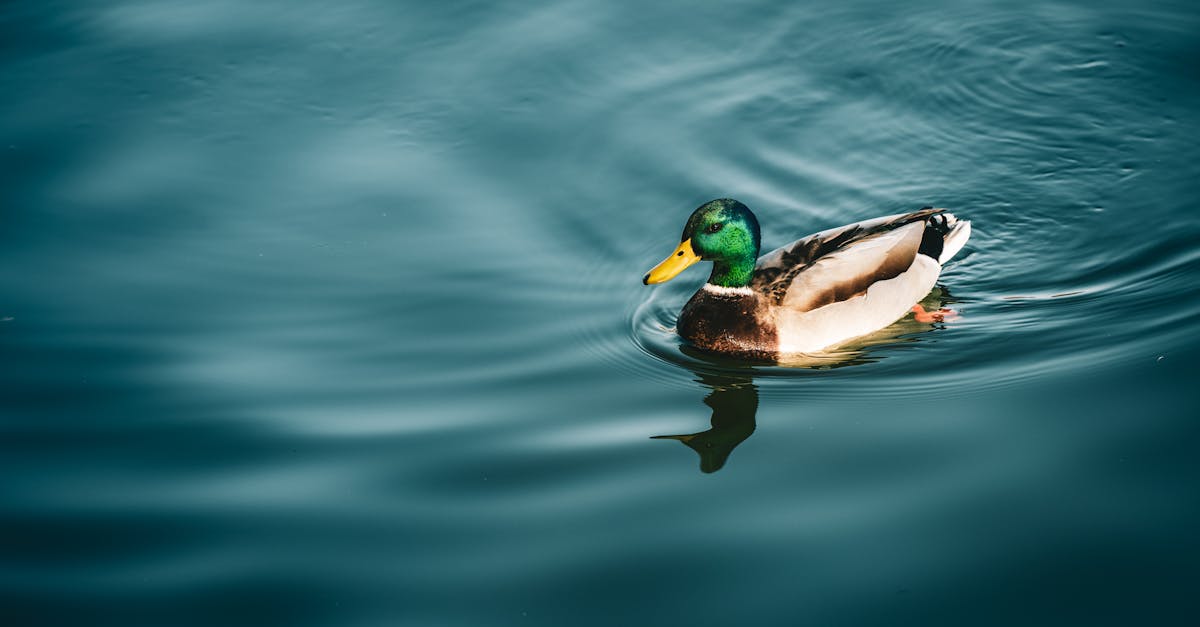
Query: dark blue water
point(331, 314)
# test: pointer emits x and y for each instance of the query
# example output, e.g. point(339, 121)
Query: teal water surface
point(331, 314)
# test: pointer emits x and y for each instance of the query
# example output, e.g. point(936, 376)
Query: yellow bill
point(683, 257)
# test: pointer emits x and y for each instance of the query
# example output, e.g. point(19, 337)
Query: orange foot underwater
point(941, 315)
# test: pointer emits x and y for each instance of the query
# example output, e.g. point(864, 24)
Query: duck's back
point(843, 283)
point(785, 273)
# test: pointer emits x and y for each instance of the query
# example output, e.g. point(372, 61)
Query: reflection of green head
point(725, 232)
point(734, 402)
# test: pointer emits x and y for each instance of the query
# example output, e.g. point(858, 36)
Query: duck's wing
point(838, 264)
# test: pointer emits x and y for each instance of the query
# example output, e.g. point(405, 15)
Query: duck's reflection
point(734, 402)
point(733, 396)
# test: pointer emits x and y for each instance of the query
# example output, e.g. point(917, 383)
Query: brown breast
point(733, 324)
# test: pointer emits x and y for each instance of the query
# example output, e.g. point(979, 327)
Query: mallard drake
point(814, 294)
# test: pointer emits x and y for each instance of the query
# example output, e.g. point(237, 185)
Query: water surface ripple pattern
point(331, 314)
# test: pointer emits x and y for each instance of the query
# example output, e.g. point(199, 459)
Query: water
point(331, 314)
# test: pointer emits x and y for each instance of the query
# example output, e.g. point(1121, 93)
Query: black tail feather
point(934, 237)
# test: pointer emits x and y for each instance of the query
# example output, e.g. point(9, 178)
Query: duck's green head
point(722, 231)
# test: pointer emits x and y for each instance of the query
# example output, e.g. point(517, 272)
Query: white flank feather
point(884, 303)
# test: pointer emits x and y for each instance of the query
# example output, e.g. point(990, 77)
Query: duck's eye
point(714, 227)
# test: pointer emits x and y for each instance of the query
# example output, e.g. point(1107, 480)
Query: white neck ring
point(728, 291)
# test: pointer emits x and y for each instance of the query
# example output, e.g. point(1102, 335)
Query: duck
point(814, 294)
